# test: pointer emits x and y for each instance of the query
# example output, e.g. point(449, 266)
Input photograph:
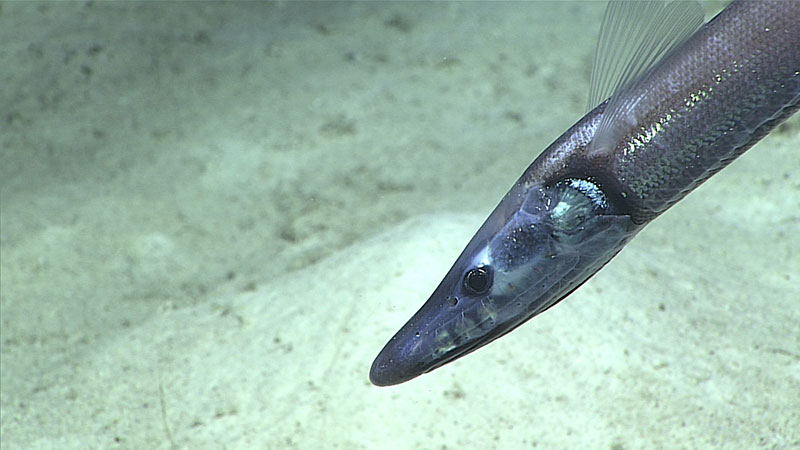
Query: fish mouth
point(388, 370)
point(400, 360)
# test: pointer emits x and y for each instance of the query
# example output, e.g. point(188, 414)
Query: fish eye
point(478, 280)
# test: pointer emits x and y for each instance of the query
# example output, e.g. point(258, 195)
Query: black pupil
point(477, 280)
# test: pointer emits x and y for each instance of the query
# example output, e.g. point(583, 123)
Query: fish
point(673, 101)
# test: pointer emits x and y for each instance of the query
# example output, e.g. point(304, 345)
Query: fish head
point(521, 261)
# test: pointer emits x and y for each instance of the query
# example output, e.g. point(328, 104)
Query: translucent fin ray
point(635, 36)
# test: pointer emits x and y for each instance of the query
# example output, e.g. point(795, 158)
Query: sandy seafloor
point(215, 214)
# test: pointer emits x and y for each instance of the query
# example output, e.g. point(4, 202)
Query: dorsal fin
point(634, 37)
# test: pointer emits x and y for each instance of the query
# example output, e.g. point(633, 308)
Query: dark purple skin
point(703, 105)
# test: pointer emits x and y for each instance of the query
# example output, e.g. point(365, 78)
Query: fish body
point(669, 124)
